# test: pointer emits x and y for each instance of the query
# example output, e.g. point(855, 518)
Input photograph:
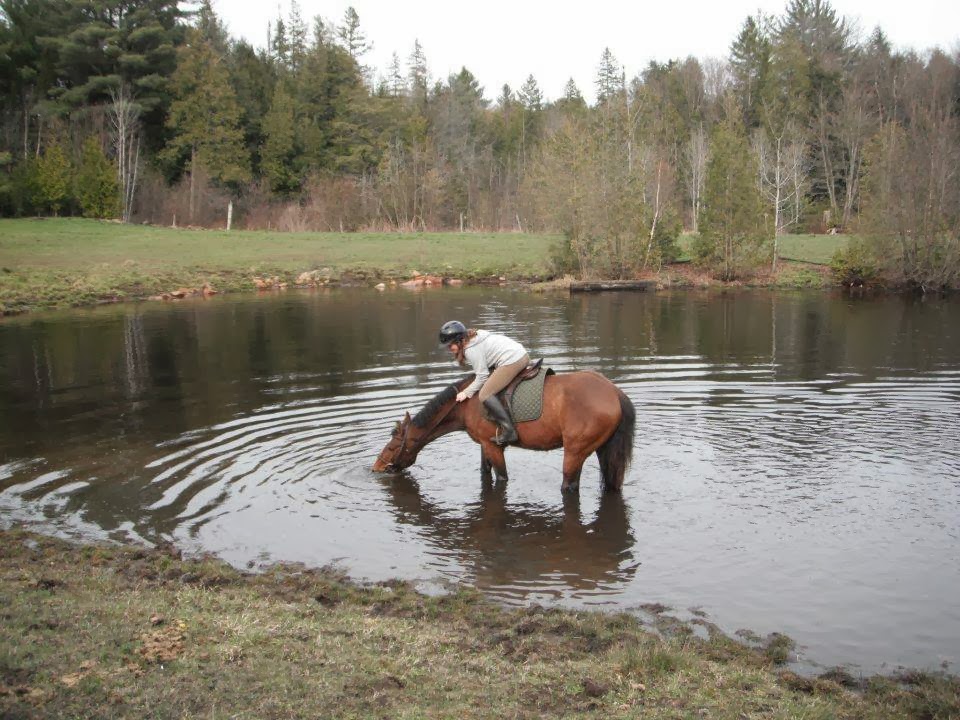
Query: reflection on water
point(796, 462)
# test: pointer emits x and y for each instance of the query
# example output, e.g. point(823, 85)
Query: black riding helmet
point(452, 331)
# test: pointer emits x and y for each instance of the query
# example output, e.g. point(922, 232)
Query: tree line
point(143, 110)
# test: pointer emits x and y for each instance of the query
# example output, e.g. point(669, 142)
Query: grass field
point(817, 249)
point(47, 263)
point(123, 632)
point(58, 262)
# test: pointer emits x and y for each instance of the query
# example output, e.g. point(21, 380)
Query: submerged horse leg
point(491, 456)
point(572, 465)
point(486, 473)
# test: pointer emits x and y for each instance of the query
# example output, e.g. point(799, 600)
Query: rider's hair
point(461, 360)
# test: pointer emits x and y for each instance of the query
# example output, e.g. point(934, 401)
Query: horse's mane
point(427, 413)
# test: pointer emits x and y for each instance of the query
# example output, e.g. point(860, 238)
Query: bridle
point(391, 463)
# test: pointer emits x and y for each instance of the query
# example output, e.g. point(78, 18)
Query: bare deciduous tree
point(124, 116)
point(697, 151)
point(779, 162)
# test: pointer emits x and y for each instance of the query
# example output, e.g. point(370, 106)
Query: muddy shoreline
point(95, 629)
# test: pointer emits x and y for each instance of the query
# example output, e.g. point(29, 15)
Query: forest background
point(148, 110)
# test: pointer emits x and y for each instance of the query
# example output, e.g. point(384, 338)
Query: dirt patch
point(163, 646)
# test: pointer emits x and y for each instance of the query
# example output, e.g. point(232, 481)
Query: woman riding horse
point(495, 360)
point(582, 412)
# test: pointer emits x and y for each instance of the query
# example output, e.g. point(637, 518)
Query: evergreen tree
point(731, 230)
point(205, 117)
point(279, 149)
point(750, 59)
point(211, 28)
point(419, 76)
point(815, 26)
point(572, 102)
point(97, 189)
point(396, 83)
point(530, 95)
point(352, 37)
point(253, 77)
point(609, 82)
point(280, 44)
point(28, 63)
point(297, 35)
point(118, 43)
point(330, 100)
point(54, 175)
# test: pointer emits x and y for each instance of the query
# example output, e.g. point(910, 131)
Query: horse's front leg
point(572, 465)
point(486, 473)
point(491, 456)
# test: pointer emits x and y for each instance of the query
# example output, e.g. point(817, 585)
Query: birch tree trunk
point(697, 165)
point(125, 129)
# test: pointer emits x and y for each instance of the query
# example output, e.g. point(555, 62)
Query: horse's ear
point(406, 418)
point(396, 429)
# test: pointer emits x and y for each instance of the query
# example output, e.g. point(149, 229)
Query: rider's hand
point(461, 396)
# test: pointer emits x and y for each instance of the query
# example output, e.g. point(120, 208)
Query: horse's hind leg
point(572, 465)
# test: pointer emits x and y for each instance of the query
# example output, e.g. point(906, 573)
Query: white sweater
point(488, 351)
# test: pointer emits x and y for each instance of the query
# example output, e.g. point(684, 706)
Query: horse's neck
point(451, 422)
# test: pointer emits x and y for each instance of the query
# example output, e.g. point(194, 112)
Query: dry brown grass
point(101, 631)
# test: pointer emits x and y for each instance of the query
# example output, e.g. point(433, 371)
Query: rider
point(496, 360)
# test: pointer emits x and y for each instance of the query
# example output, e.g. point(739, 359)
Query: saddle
point(525, 401)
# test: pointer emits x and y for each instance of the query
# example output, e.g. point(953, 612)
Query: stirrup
point(498, 439)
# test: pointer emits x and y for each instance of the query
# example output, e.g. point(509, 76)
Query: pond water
point(796, 462)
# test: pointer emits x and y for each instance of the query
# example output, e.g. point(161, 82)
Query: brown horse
point(583, 412)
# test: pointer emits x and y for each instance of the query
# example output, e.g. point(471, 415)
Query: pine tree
point(117, 42)
point(572, 101)
point(750, 58)
point(205, 117)
point(97, 189)
point(351, 37)
point(609, 82)
point(279, 147)
point(54, 175)
point(731, 231)
point(280, 44)
point(297, 35)
point(530, 94)
point(418, 75)
point(253, 78)
point(396, 84)
point(211, 28)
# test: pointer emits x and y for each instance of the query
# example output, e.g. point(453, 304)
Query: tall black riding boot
point(508, 433)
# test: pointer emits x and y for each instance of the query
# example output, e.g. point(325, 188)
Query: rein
point(439, 418)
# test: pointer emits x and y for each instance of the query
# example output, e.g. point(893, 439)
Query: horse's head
point(401, 451)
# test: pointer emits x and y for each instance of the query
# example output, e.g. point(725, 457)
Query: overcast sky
point(503, 41)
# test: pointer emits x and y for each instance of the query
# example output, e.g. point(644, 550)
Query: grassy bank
point(63, 262)
point(811, 249)
point(123, 632)
point(46, 263)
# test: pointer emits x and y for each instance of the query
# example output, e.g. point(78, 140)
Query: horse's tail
point(615, 454)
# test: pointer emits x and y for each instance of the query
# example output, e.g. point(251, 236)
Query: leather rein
point(438, 418)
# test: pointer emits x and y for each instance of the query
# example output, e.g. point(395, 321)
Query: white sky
point(504, 41)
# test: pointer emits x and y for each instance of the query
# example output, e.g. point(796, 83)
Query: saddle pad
point(528, 398)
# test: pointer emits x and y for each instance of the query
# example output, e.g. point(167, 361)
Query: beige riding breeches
point(501, 377)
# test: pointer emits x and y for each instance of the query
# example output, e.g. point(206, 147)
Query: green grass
point(817, 249)
point(109, 631)
point(62, 262)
